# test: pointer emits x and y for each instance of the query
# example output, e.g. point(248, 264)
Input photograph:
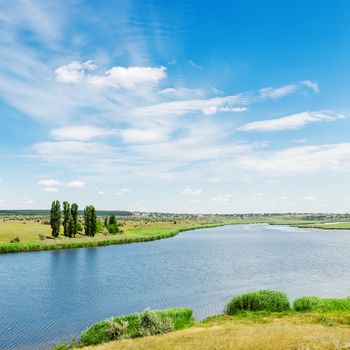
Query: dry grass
point(289, 332)
point(27, 230)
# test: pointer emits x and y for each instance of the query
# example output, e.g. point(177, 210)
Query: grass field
point(133, 230)
point(295, 331)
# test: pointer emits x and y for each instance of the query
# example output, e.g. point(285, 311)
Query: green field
point(133, 230)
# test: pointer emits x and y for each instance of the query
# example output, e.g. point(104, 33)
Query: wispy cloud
point(300, 160)
point(80, 132)
point(194, 65)
point(294, 121)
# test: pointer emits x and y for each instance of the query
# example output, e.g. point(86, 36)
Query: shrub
point(15, 239)
point(311, 303)
point(172, 319)
point(113, 229)
point(151, 323)
point(117, 328)
point(263, 300)
point(99, 226)
point(306, 303)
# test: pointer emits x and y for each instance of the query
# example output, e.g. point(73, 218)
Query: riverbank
point(255, 332)
point(34, 233)
point(256, 320)
point(130, 235)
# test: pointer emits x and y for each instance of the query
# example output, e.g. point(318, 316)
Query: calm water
point(46, 297)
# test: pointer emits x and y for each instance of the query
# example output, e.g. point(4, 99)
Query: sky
point(175, 106)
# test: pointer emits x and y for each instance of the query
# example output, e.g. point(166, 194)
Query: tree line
point(68, 218)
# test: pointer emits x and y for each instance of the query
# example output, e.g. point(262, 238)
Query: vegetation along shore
point(23, 231)
point(256, 320)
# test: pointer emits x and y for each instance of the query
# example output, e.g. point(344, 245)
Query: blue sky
point(186, 106)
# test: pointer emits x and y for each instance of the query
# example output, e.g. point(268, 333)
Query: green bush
point(312, 303)
point(306, 303)
point(171, 319)
point(113, 229)
point(263, 300)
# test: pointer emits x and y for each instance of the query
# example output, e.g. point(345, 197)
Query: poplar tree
point(90, 221)
point(66, 214)
point(74, 212)
point(112, 220)
point(70, 225)
point(55, 218)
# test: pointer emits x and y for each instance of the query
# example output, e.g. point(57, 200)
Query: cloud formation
point(294, 121)
point(118, 77)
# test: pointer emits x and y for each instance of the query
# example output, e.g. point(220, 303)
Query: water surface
point(46, 297)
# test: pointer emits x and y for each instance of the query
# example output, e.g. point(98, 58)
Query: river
point(47, 297)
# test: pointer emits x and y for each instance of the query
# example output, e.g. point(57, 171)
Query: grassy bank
point(133, 231)
point(294, 331)
point(323, 225)
point(34, 233)
point(257, 320)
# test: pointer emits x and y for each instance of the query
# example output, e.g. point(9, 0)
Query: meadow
point(34, 233)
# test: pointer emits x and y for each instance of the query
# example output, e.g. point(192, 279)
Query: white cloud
point(51, 189)
point(294, 121)
point(49, 183)
point(144, 135)
point(192, 192)
point(100, 192)
point(71, 150)
point(300, 160)
point(76, 184)
point(181, 92)
point(73, 72)
point(119, 77)
point(223, 198)
point(275, 93)
point(206, 106)
point(128, 77)
point(80, 133)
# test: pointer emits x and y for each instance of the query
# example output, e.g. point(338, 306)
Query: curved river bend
point(46, 297)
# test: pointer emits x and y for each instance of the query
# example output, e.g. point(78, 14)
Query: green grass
point(313, 303)
point(98, 333)
point(131, 234)
point(263, 300)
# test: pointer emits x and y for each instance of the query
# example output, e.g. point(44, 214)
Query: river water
point(47, 297)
